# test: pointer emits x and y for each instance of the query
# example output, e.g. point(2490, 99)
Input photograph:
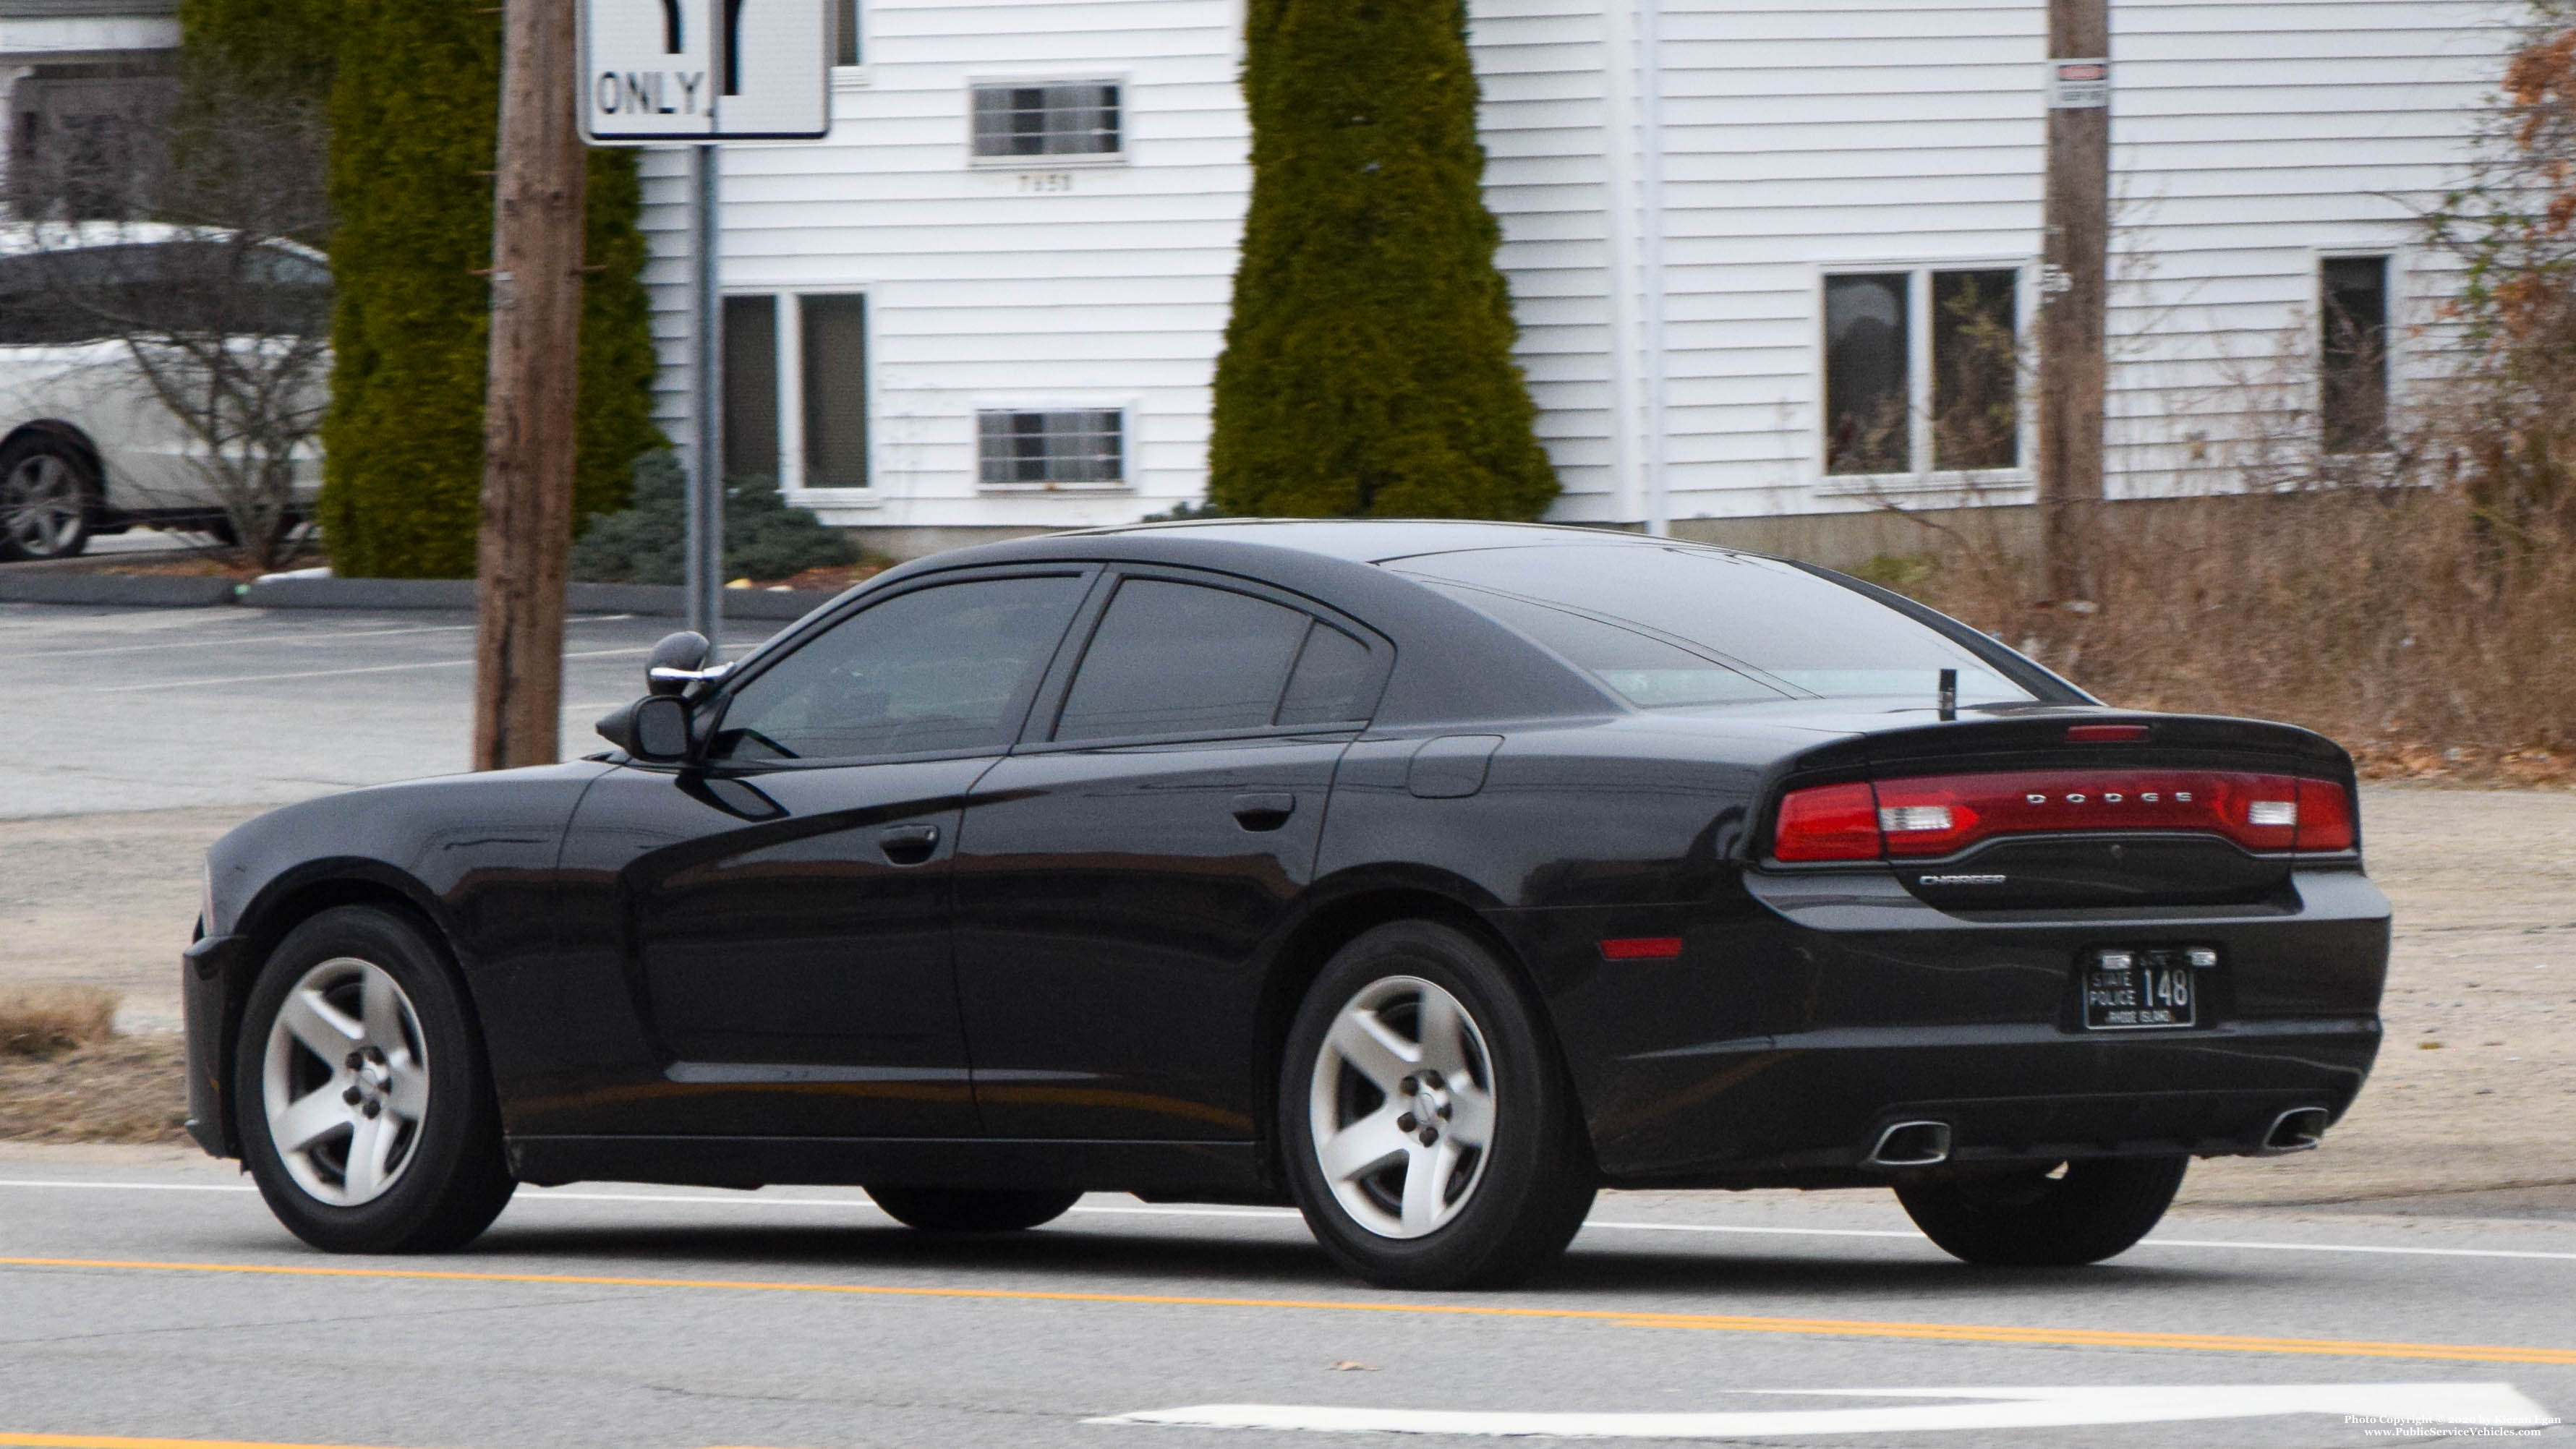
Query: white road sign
point(676, 71)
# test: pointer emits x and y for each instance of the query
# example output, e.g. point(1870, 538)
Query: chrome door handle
point(908, 844)
point(1264, 811)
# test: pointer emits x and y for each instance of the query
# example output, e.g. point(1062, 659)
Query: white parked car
point(86, 445)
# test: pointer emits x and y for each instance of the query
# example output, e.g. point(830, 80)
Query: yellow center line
point(120, 1441)
point(1623, 1317)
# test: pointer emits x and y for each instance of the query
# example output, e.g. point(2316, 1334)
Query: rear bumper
point(1806, 1109)
point(1809, 1014)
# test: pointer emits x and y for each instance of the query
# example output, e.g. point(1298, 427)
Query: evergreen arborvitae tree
point(413, 112)
point(1368, 365)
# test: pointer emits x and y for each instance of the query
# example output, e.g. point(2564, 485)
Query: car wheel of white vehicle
point(45, 495)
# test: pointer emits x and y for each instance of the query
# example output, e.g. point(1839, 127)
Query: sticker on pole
point(677, 71)
point(2079, 85)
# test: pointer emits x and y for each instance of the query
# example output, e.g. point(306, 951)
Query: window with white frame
point(796, 388)
point(1074, 448)
point(1921, 371)
point(1055, 118)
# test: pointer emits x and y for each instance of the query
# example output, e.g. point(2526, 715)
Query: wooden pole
point(2073, 292)
point(529, 411)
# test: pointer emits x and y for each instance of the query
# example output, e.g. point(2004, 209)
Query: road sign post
point(698, 73)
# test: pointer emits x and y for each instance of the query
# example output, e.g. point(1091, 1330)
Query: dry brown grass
point(66, 1076)
point(2404, 622)
point(45, 1021)
point(128, 1089)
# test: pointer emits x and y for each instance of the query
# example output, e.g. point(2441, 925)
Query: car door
point(787, 896)
point(1120, 874)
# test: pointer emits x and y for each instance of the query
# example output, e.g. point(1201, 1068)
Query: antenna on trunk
point(1949, 694)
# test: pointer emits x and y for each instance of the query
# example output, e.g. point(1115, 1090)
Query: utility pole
point(528, 417)
point(2073, 292)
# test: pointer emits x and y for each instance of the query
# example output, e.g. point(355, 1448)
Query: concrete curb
point(156, 591)
point(159, 591)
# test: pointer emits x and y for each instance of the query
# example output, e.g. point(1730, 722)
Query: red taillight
point(2325, 816)
point(1943, 814)
point(1828, 822)
point(2105, 734)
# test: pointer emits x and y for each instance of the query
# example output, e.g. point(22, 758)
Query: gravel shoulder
point(2470, 1097)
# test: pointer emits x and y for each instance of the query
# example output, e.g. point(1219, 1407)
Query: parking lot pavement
point(153, 1298)
point(157, 709)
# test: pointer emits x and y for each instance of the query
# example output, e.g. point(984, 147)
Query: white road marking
point(2434, 1407)
point(333, 673)
point(320, 637)
point(1291, 1215)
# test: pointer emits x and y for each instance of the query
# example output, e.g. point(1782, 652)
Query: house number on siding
point(1046, 181)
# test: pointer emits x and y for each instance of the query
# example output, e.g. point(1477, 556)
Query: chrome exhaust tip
point(1911, 1144)
point(2298, 1130)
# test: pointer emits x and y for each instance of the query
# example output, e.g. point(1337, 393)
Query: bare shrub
point(42, 1021)
point(202, 296)
point(2386, 616)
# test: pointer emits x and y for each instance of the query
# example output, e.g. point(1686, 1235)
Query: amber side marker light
point(2105, 734)
point(1641, 948)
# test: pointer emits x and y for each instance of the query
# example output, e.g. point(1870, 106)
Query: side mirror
point(654, 728)
point(678, 662)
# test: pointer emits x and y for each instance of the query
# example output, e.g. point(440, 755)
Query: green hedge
point(1368, 365)
point(413, 91)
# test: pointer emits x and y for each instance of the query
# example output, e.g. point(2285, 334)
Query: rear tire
point(365, 1109)
point(972, 1210)
point(1429, 1133)
point(2026, 1218)
point(48, 498)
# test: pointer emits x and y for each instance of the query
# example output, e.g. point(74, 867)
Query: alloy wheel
point(345, 1082)
point(41, 507)
point(1401, 1107)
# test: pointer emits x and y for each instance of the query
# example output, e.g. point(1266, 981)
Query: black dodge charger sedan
point(1429, 876)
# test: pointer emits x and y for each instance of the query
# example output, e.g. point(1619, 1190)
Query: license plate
point(2138, 990)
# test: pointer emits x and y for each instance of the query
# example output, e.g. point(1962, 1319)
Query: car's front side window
point(950, 667)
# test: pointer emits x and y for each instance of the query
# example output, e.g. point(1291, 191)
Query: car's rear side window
point(1173, 658)
point(1685, 626)
point(1331, 680)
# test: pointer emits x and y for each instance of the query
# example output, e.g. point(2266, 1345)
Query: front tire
point(366, 1112)
point(2038, 1217)
point(1430, 1136)
point(972, 1210)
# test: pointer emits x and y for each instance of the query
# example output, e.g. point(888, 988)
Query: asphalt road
point(153, 1299)
point(156, 709)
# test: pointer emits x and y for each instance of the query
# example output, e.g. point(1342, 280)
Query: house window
point(1078, 119)
point(847, 42)
point(1920, 371)
point(796, 389)
point(1086, 448)
point(751, 387)
point(1866, 393)
point(2352, 375)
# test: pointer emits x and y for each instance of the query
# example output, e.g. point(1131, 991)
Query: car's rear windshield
point(1681, 626)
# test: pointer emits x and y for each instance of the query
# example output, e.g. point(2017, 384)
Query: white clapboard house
point(1752, 275)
